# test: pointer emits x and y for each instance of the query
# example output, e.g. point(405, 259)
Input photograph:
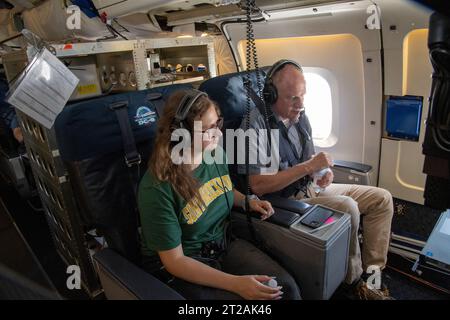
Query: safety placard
point(43, 89)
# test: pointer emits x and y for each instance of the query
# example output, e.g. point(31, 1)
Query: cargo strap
point(132, 156)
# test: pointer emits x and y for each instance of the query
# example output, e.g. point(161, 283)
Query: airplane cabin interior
point(86, 84)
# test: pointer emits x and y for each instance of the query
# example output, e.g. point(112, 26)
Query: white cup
point(272, 283)
point(317, 176)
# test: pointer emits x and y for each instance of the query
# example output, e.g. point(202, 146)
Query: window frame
point(328, 76)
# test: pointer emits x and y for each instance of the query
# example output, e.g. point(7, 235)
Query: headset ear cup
point(273, 94)
point(266, 94)
point(270, 92)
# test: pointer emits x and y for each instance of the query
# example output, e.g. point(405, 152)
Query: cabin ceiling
point(202, 11)
point(134, 18)
point(167, 7)
point(192, 5)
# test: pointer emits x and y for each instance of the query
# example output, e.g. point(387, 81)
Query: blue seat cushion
point(230, 93)
point(90, 128)
point(90, 140)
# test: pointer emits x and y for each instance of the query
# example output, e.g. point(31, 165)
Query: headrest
point(90, 128)
point(230, 93)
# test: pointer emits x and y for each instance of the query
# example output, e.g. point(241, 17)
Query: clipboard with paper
point(43, 89)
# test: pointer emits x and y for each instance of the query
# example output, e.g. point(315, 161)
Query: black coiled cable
point(251, 59)
point(251, 52)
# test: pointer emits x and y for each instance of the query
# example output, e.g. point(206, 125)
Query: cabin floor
point(33, 226)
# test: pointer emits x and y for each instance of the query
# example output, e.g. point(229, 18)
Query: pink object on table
point(330, 220)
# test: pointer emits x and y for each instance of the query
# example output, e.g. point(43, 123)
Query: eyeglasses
point(218, 125)
point(211, 133)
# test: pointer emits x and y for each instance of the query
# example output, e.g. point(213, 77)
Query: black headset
point(270, 95)
point(270, 92)
point(185, 106)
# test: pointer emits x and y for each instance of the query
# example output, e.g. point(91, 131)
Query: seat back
point(90, 142)
point(229, 92)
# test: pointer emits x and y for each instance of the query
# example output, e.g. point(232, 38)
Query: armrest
point(287, 211)
point(281, 217)
point(359, 167)
point(122, 280)
point(288, 204)
point(284, 218)
point(352, 173)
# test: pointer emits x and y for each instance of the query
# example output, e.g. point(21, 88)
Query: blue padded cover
point(90, 140)
point(229, 92)
point(90, 128)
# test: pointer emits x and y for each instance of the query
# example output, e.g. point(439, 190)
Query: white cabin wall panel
point(393, 69)
point(398, 183)
point(358, 104)
point(408, 159)
point(117, 8)
point(373, 119)
point(405, 16)
point(401, 161)
point(352, 22)
point(417, 82)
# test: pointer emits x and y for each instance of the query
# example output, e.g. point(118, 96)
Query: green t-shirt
point(168, 221)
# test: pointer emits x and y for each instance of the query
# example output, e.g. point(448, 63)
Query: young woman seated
point(185, 212)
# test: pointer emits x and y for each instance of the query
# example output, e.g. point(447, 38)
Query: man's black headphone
point(270, 92)
point(185, 106)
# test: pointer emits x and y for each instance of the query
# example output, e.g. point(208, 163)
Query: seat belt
point(132, 156)
point(260, 105)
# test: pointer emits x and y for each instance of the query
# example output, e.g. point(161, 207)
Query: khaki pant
point(375, 206)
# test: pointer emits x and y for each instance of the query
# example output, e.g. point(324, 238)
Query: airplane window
point(318, 105)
